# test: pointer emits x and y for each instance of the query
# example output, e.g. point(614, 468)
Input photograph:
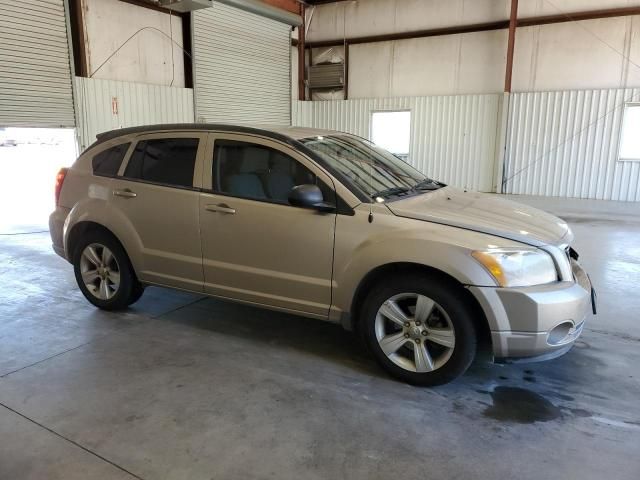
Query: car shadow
point(323, 339)
point(282, 330)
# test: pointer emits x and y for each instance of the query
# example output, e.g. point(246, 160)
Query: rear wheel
point(420, 330)
point(138, 290)
point(103, 272)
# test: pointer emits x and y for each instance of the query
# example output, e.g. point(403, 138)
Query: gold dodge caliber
point(325, 225)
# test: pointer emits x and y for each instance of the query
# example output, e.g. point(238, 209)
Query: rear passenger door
point(156, 195)
point(256, 247)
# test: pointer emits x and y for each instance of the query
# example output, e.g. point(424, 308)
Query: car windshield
point(373, 170)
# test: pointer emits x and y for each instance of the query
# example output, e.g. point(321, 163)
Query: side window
point(108, 161)
point(169, 161)
point(254, 171)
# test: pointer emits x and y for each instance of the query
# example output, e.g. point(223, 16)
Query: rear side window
point(108, 162)
point(169, 161)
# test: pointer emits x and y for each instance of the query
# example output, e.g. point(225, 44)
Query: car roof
point(285, 133)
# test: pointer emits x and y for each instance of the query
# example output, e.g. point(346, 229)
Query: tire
point(138, 290)
point(104, 273)
point(394, 333)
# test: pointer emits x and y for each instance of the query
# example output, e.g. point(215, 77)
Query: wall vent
point(328, 75)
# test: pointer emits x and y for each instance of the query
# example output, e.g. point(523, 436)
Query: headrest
point(254, 160)
point(280, 163)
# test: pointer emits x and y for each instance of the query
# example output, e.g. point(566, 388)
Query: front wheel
point(419, 329)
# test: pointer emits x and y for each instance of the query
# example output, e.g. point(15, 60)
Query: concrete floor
point(186, 387)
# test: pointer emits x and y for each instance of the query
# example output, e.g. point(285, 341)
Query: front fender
point(362, 247)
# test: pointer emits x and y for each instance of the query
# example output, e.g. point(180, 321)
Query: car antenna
point(371, 193)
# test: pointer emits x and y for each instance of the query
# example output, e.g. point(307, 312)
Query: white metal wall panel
point(242, 67)
point(136, 104)
point(35, 74)
point(565, 144)
point(453, 138)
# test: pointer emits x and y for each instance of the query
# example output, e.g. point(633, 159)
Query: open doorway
point(30, 159)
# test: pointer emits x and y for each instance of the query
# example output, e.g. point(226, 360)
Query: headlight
point(518, 268)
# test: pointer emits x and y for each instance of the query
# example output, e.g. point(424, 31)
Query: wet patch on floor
point(562, 396)
point(580, 412)
point(519, 405)
point(625, 424)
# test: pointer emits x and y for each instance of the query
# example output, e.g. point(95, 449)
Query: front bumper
point(536, 323)
point(510, 347)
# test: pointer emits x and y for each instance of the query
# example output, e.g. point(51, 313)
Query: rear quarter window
point(107, 163)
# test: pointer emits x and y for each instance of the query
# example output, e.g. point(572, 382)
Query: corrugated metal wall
point(137, 104)
point(242, 66)
point(35, 75)
point(565, 144)
point(453, 138)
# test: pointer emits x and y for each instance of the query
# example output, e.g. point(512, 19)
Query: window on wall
point(630, 138)
point(392, 131)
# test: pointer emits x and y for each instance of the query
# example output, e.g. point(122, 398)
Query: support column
point(301, 56)
point(346, 70)
point(503, 118)
point(513, 21)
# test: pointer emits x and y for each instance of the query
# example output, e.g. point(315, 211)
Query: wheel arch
point(83, 228)
point(403, 268)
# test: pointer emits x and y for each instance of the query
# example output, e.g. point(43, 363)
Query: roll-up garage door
point(242, 67)
point(35, 75)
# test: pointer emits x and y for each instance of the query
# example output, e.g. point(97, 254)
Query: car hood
point(486, 213)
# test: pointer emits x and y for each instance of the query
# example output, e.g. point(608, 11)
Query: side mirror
point(309, 196)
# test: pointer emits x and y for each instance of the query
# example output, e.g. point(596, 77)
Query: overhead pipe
point(481, 27)
point(265, 10)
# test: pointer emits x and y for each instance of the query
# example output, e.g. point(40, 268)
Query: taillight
point(59, 181)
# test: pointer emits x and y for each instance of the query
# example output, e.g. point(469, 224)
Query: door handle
point(126, 193)
point(222, 208)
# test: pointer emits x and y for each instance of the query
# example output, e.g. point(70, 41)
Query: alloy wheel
point(415, 332)
point(100, 271)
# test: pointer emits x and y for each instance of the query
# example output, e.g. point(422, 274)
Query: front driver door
point(256, 247)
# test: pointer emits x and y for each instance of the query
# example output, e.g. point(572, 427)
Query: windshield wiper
point(428, 184)
point(390, 192)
